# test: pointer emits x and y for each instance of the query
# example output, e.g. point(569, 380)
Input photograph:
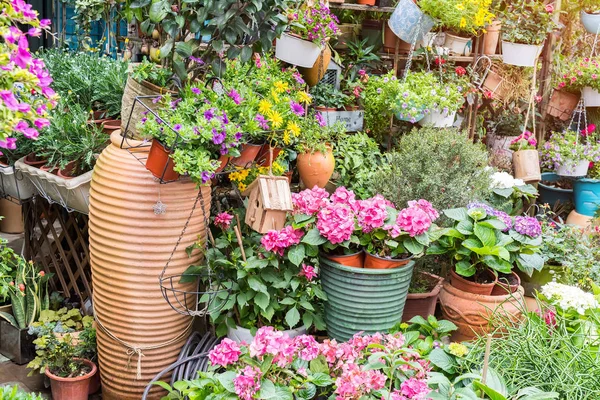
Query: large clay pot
point(129, 247)
point(72, 388)
point(583, 221)
point(267, 154)
point(527, 165)
point(423, 304)
point(356, 260)
point(491, 37)
point(315, 168)
point(465, 285)
point(562, 104)
point(314, 74)
point(471, 312)
point(373, 261)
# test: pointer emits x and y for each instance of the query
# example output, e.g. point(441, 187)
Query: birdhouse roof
point(274, 192)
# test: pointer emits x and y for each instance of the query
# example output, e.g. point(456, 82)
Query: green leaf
point(491, 393)
point(472, 243)
point(296, 254)
point(534, 261)
point(292, 317)
point(246, 54)
point(140, 3)
point(494, 224)
point(226, 379)
point(184, 49)
point(307, 306)
point(464, 268)
point(465, 227)
point(445, 326)
point(164, 385)
point(314, 238)
point(300, 218)
point(442, 360)
point(413, 246)
point(321, 379)
point(456, 234)
point(165, 50)
point(262, 300)
point(319, 365)
point(158, 11)
point(410, 337)
point(269, 391)
point(257, 285)
point(497, 264)
point(505, 192)
point(423, 239)
point(457, 214)
point(308, 391)
point(485, 234)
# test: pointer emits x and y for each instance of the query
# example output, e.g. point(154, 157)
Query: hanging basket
point(573, 168)
point(591, 97)
point(438, 119)
point(296, 51)
point(409, 23)
point(521, 55)
point(527, 165)
point(591, 22)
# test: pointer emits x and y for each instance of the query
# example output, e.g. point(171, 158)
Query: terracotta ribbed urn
point(129, 247)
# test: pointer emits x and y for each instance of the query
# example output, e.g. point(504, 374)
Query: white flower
point(569, 297)
point(504, 180)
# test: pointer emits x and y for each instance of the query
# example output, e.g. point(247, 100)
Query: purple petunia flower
point(174, 103)
point(206, 176)
point(218, 137)
point(298, 78)
point(320, 119)
point(209, 114)
point(235, 96)
point(296, 108)
point(156, 99)
point(177, 127)
point(197, 60)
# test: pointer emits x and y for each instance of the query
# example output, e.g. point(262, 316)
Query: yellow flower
point(275, 118)
point(458, 349)
point(286, 137)
point(460, 7)
point(242, 187)
point(281, 87)
point(278, 169)
point(304, 97)
point(275, 96)
point(293, 128)
point(463, 22)
point(264, 106)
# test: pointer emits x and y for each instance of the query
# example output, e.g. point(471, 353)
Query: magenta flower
point(196, 90)
point(335, 222)
point(427, 207)
point(528, 226)
point(225, 353)
point(247, 384)
point(262, 122)
point(413, 220)
point(298, 78)
point(223, 220)
point(9, 100)
point(344, 196)
point(414, 388)
point(235, 96)
point(45, 23)
point(41, 123)
point(21, 55)
point(296, 108)
point(307, 347)
point(310, 201)
point(320, 119)
point(372, 213)
point(308, 272)
point(30, 133)
point(10, 143)
point(277, 241)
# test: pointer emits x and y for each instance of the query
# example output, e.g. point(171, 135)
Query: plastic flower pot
point(468, 286)
point(160, 163)
point(527, 165)
point(247, 156)
point(591, 97)
point(363, 300)
point(76, 388)
point(591, 22)
point(423, 304)
point(239, 334)
point(373, 261)
point(438, 119)
point(409, 23)
point(458, 45)
point(356, 260)
point(316, 168)
point(522, 55)
point(506, 284)
point(573, 168)
point(491, 37)
point(296, 51)
point(552, 195)
point(586, 193)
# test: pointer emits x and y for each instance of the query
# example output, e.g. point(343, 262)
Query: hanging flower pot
point(373, 261)
point(316, 168)
point(423, 304)
point(591, 22)
point(390, 39)
point(458, 45)
point(314, 74)
point(586, 193)
point(356, 260)
point(466, 285)
point(591, 97)
point(248, 154)
point(522, 55)
point(267, 154)
point(562, 104)
point(160, 163)
point(527, 165)
point(76, 388)
point(492, 37)
point(438, 119)
point(296, 51)
point(506, 284)
point(573, 168)
point(409, 23)
point(494, 83)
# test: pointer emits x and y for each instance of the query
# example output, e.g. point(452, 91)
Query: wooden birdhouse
point(270, 199)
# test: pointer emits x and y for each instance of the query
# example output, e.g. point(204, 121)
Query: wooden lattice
point(58, 242)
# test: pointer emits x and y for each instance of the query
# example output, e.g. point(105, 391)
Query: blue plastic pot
point(591, 22)
point(409, 23)
point(586, 193)
point(551, 195)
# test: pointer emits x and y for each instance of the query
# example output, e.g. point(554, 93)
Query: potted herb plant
point(310, 30)
point(569, 153)
point(590, 15)
point(526, 24)
point(526, 160)
point(583, 75)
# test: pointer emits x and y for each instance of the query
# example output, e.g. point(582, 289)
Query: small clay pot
point(465, 285)
point(67, 171)
point(111, 125)
point(366, 2)
point(423, 304)
point(375, 262)
point(325, 109)
point(160, 163)
point(34, 161)
point(223, 163)
point(267, 154)
point(50, 170)
point(507, 283)
point(356, 260)
point(248, 154)
point(72, 388)
point(315, 168)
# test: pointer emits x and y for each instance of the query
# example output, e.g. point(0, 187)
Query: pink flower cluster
point(278, 241)
point(414, 220)
point(335, 222)
point(247, 384)
point(225, 353)
point(223, 220)
point(278, 344)
point(310, 201)
point(308, 271)
point(525, 141)
point(372, 213)
point(355, 382)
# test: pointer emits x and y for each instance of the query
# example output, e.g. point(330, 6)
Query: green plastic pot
point(363, 300)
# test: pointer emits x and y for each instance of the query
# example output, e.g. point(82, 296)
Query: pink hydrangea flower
point(335, 222)
point(247, 384)
point(278, 241)
point(354, 382)
point(427, 207)
point(307, 347)
point(372, 213)
point(270, 341)
point(308, 272)
point(310, 201)
point(344, 196)
point(225, 353)
point(223, 220)
point(415, 389)
point(413, 220)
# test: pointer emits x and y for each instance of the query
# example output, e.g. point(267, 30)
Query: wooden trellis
point(58, 242)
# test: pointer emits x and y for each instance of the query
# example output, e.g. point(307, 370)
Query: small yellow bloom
point(275, 96)
point(286, 137)
point(460, 7)
point(264, 106)
point(281, 87)
point(463, 22)
point(242, 187)
point(304, 97)
point(293, 128)
point(275, 118)
point(458, 349)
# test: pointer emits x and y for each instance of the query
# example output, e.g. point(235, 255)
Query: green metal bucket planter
point(363, 300)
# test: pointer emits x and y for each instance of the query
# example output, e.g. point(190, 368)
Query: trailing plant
point(568, 149)
point(315, 22)
point(580, 73)
point(437, 165)
point(528, 22)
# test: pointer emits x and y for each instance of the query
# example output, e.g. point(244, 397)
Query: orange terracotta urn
point(139, 334)
point(316, 168)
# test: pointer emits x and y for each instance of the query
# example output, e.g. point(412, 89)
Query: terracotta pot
point(375, 262)
point(129, 247)
point(95, 383)
point(265, 156)
point(471, 312)
point(562, 104)
point(247, 156)
point(495, 84)
point(491, 37)
point(51, 170)
point(34, 160)
point(315, 168)
point(423, 304)
point(13, 217)
point(314, 74)
point(366, 2)
point(72, 388)
point(580, 220)
point(98, 115)
point(223, 163)
point(356, 260)
point(160, 163)
point(465, 285)
point(390, 39)
point(527, 165)
point(111, 125)
point(503, 285)
point(351, 108)
point(67, 171)
point(325, 109)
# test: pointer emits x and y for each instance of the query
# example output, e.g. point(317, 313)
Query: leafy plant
point(14, 393)
point(437, 165)
point(69, 319)
point(87, 347)
point(151, 72)
point(381, 92)
point(110, 87)
point(360, 56)
point(508, 123)
point(569, 149)
point(316, 134)
point(510, 195)
point(466, 17)
point(579, 73)
point(325, 95)
point(9, 261)
point(527, 22)
point(315, 23)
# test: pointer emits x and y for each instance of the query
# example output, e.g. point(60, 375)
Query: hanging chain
point(412, 47)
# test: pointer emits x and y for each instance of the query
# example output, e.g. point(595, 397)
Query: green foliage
point(527, 22)
point(57, 353)
point(325, 95)
point(514, 199)
point(443, 166)
point(108, 93)
point(360, 56)
point(70, 319)
point(14, 393)
point(151, 72)
point(381, 92)
point(508, 123)
point(87, 347)
point(466, 17)
point(316, 137)
point(9, 261)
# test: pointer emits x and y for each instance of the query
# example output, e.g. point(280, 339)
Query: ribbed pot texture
point(369, 300)
point(129, 247)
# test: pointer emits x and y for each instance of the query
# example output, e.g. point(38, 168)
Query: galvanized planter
point(353, 120)
point(363, 300)
point(16, 344)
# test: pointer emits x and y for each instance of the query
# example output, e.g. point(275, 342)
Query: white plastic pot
point(591, 97)
point(573, 168)
point(522, 55)
point(438, 119)
point(239, 334)
point(458, 45)
point(14, 184)
point(296, 51)
point(591, 22)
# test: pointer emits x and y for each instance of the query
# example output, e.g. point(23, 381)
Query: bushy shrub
point(440, 165)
